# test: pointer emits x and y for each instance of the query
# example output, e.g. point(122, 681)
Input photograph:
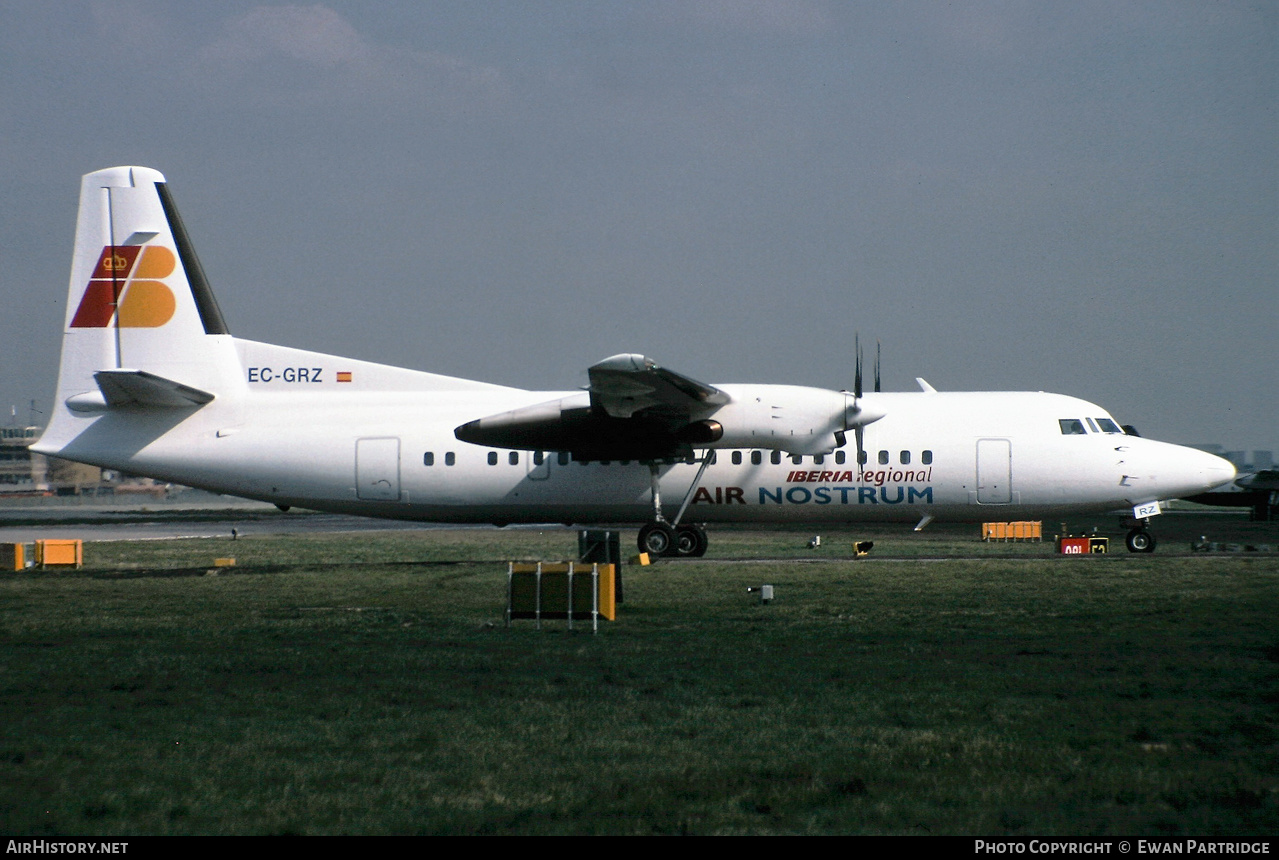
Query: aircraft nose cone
point(1165, 471)
point(1200, 472)
point(1219, 471)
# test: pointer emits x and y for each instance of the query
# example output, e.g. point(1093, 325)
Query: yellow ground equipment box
point(566, 590)
point(59, 553)
point(1025, 530)
point(13, 556)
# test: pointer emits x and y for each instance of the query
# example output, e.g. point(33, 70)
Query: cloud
point(311, 35)
point(312, 53)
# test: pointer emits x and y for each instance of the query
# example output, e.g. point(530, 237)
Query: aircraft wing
point(626, 384)
point(633, 409)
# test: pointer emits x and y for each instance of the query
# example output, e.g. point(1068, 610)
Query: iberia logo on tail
point(126, 285)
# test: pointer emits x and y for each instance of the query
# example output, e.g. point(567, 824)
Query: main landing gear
point(687, 540)
point(1139, 539)
point(673, 539)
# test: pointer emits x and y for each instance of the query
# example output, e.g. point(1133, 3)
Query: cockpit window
point(1108, 426)
point(1092, 425)
point(1072, 427)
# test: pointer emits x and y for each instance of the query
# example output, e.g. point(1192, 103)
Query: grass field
point(366, 684)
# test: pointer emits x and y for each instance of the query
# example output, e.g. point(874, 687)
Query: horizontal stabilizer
point(138, 388)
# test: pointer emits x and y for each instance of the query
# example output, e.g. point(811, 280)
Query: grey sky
point(1078, 197)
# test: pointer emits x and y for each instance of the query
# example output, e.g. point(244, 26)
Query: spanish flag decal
point(344, 376)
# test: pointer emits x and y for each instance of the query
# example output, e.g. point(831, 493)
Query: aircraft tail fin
point(142, 325)
point(144, 337)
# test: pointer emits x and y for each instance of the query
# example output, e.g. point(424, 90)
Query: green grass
point(365, 684)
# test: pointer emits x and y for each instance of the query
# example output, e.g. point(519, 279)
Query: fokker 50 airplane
point(153, 383)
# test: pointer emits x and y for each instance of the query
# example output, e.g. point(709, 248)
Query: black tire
point(1140, 540)
point(690, 541)
point(657, 539)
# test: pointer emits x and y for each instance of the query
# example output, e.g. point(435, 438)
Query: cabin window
point(737, 458)
point(538, 458)
point(818, 459)
point(840, 457)
point(863, 457)
point(513, 458)
point(492, 458)
point(926, 458)
point(797, 458)
point(1108, 426)
point(775, 457)
point(1072, 427)
point(757, 457)
point(905, 458)
point(563, 458)
point(450, 458)
point(428, 459)
point(883, 458)
point(714, 458)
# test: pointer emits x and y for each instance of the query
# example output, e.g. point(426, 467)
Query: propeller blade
point(877, 366)
point(857, 375)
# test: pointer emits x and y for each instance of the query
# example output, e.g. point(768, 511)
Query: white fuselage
point(380, 445)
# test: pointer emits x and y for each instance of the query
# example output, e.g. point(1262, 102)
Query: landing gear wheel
point(657, 539)
point(690, 541)
point(1140, 540)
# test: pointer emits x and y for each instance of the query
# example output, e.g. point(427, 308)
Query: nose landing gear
point(1140, 540)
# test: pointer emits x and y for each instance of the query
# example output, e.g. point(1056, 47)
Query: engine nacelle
point(788, 418)
point(572, 424)
point(791, 418)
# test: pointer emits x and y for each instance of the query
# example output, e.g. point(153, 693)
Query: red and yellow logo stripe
point(126, 285)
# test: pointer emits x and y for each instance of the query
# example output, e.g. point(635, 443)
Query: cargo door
point(994, 472)
point(377, 469)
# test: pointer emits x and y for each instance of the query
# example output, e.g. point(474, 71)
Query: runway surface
point(203, 515)
point(119, 524)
